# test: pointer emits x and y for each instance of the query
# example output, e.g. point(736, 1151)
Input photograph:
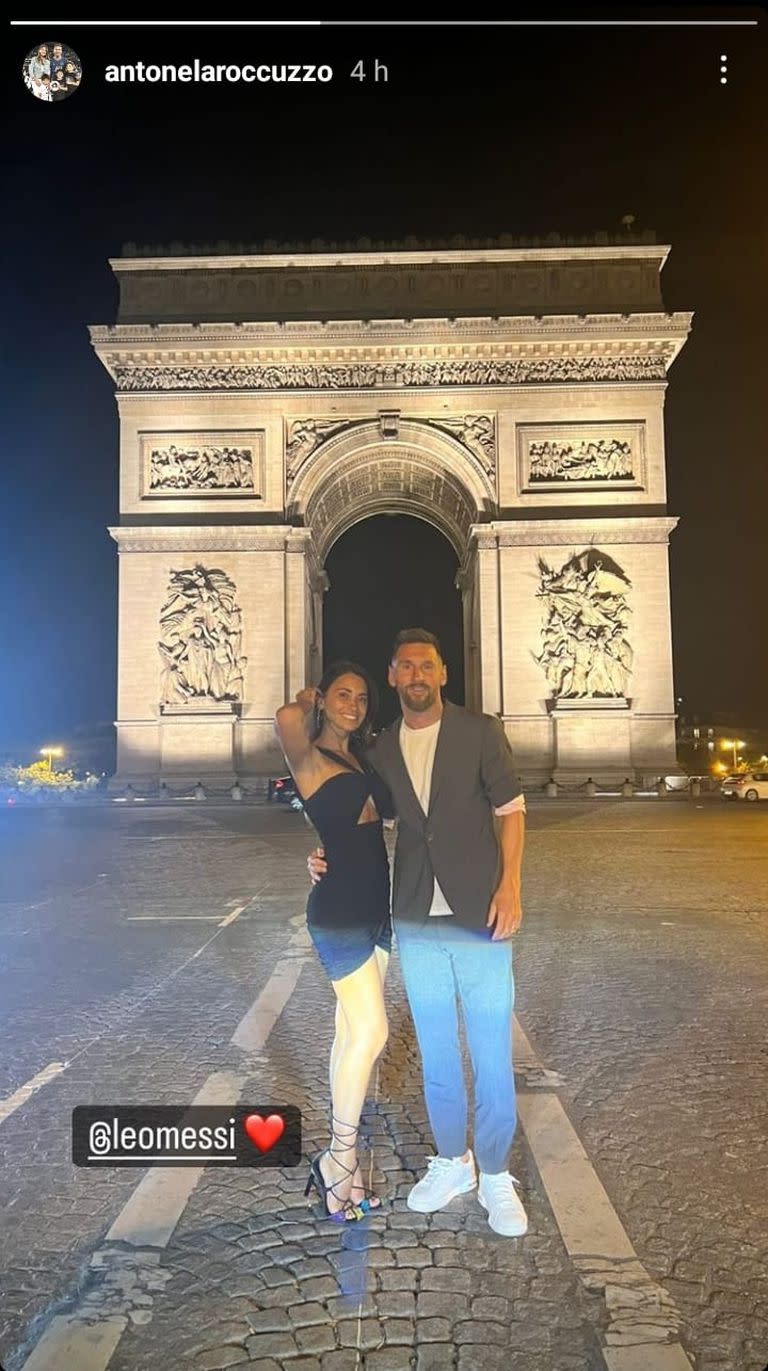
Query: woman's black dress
point(348, 911)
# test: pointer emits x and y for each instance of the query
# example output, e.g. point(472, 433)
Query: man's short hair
point(415, 635)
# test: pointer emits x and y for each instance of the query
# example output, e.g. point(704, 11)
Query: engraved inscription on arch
point(389, 287)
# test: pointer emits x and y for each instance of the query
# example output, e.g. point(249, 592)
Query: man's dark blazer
point(456, 841)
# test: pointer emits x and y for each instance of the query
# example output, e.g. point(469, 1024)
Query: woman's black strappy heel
point(350, 1211)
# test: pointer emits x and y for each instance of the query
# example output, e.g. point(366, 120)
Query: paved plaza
point(157, 955)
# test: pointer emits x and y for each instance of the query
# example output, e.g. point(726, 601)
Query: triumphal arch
point(512, 396)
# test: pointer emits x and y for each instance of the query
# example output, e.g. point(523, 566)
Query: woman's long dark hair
point(361, 738)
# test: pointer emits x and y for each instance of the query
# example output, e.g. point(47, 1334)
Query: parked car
point(728, 783)
point(282, 791)
point(750, 785)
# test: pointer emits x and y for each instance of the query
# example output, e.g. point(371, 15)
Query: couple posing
point(444, 773)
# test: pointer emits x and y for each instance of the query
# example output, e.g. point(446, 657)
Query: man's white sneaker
point(497, 1194)
point(446, 1177)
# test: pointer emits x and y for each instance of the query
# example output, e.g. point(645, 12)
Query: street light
point(736, 744)
point(53, 750)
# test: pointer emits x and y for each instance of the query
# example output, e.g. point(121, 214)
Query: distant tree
point(40, 776)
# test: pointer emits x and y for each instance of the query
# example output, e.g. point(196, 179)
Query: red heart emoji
point(264, 1133)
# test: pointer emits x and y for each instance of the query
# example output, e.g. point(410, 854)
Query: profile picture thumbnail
point(52, 71)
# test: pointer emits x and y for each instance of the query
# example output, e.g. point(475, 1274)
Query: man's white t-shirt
point(418, 746)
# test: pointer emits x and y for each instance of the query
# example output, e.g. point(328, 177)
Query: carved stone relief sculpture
point(206, 468)
point(201, 637)
point(585, 649)
point(477, 432)
point(602, 459)
point(366, 375)
point(304, 436)
point(205, 465)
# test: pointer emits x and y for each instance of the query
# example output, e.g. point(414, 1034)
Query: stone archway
point(421, 471)
point(416, 469)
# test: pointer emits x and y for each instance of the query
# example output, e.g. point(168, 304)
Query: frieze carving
point(585, 650)
point(606, 459)
point(410, 374)
point(207, 468)
point(200, 638)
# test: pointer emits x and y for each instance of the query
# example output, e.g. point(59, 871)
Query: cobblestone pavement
point(641, 974)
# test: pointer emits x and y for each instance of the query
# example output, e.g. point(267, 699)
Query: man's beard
point(419, 703)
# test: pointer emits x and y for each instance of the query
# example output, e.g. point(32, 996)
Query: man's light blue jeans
point(442, 962)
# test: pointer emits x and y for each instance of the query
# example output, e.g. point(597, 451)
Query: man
point(456, 905)
point(58, 62)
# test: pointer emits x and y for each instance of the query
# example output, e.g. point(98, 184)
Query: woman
point(323, 736)
point(39, 64)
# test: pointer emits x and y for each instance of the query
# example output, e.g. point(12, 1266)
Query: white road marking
point(81, 889)
point(155, 837)
point(228, 919)
point(86, 1338)
point(155, 990)
point(255, 1027)
point(62, 894)
point(71, 1345)
point(662, 1357)
point(234, 914)
point(643, 1320)
point(184, 837)
point(20, 1096)
point(150, 1215)
point(169, 918)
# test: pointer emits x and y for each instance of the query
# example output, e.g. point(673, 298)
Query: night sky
point(477, 132)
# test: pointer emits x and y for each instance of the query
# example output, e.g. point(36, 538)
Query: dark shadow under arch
point(390, 572)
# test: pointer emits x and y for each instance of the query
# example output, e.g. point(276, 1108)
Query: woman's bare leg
point(339, 1040)
point(361, 1033)
point(359, 1189)
point(340, 1026)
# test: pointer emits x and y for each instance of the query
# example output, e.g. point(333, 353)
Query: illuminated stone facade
point(512, 397)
